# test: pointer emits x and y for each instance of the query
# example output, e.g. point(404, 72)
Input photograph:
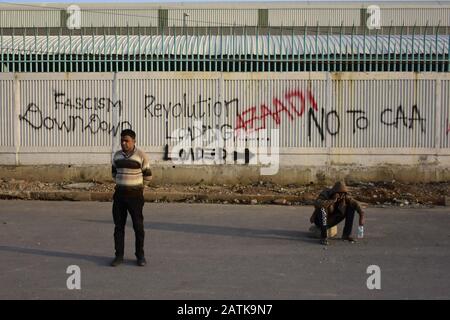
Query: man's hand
point(147, 181)
point(361, 219)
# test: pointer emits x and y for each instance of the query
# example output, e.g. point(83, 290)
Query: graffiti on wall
point(232, 117)
point(203, 107)
point(93, 123)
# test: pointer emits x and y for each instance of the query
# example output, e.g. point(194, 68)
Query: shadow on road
point(225, 231)
point(99, 260)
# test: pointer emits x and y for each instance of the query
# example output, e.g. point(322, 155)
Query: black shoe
point(116, 261)
point(349, 239)
point(141, 262)
point(324, 242)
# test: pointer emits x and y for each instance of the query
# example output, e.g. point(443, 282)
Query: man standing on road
point(130, 168)
point(331, 207)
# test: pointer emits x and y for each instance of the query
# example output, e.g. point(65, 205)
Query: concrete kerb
point(447, 201)
point(152, 197)
point(240, 174)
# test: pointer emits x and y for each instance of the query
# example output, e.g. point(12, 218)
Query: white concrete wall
point(405, 115)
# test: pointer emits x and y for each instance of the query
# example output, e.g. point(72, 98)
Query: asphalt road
point(209, 251)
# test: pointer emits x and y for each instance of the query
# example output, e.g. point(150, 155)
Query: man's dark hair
point(128, 132)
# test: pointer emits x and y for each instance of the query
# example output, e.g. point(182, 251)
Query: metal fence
point(239, 50)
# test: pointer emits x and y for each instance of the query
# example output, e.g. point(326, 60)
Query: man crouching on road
point(331, 207)
point(130, 168)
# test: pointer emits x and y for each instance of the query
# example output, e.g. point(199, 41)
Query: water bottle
point(361, 232)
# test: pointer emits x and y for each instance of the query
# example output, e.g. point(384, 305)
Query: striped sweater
point(129, 172)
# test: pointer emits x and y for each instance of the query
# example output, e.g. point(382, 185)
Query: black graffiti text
point(325, 121)
point(393, 118)
point(34, 117)
point(203, 107)
point(94, 103)
point(359, 121)
point(192, 133)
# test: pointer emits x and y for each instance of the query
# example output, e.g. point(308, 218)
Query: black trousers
point(121, 206)
point(325, 221)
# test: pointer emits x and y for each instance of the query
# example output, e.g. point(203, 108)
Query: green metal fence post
point(401, 52)
point(47, 62)
point(257, 49)
point(198, 57)
point(448, 52)
point(443, 69)
point(326, 62)
point(413, 67)
point(186, 48)
point(304, 47)
point(298, 55)
point(128, 52)
point(106, 56)
point(230, 50)
point(377, 61)
point(436, 48)
point(81, 53)
point(370, 56)
point(351, 49)
point(93, 51)
point(23, 54)
point(340, 47)
point(209, 49)
point(316, 53)
point(389, 48)
point(161, 54)
point(151, 49)
point(138, 55)
point(424, 48)
point(244, 49)
point(70, 51)
point(269, 65)
point(364, 51)
point(12, 52)
point(183, 50)
point(221, 48)
point(116, 58)
point(2, 58)
point(191, 50)
point(358, 57)
point(145, 51)
point(175, 48)
point(280, 61)
point(59, 49)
